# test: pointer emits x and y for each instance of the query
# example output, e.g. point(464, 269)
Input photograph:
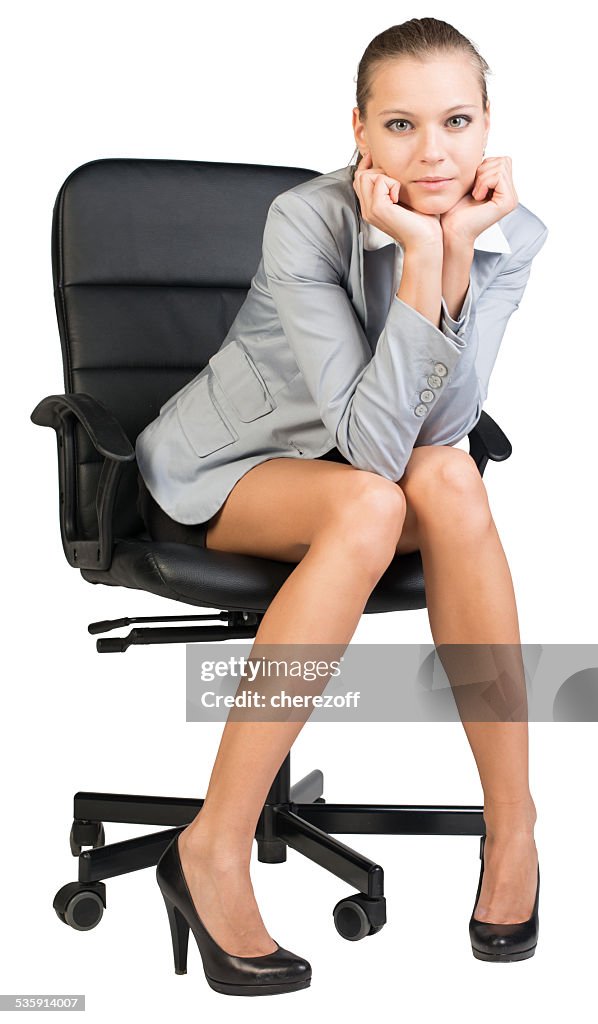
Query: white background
point(274, 84)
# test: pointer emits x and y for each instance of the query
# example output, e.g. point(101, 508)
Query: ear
point(486, 123)
point(358, 130)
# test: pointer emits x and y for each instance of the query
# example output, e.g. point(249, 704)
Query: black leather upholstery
point(220, 579)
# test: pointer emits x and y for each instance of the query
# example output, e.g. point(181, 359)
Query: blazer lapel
point(362, 297)
point(356, 278)
point(356, 281)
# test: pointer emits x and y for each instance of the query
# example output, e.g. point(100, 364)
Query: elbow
point(374, 454)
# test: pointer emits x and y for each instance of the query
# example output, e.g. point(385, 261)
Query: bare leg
point(321, 602)
point(470, 600)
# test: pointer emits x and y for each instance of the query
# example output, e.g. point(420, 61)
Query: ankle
point(509, 817)
point(216, 850)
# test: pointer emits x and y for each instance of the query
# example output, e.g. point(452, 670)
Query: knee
point(445, 482)
point(372, 517)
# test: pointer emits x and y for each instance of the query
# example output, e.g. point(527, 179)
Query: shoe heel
point(266, 974)
point(179, 930)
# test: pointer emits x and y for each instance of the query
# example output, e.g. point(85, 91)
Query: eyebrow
point(458, 106)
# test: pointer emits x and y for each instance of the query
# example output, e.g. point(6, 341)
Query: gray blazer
point(322, 354)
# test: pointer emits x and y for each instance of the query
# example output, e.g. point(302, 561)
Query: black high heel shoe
point(503, 942)
point(280, 971)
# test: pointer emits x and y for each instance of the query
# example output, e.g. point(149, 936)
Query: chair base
point(293, 816)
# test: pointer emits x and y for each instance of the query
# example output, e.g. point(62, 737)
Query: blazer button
point(421, 410)
point(426, 396)
point(440, 369)
point(434, 380)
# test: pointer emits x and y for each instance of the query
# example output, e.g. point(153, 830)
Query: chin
point(434, 204)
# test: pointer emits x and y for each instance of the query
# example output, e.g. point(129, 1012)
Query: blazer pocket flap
point(242, 382)
point(201, 419)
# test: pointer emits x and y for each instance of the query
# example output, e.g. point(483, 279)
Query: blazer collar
point(492, 239)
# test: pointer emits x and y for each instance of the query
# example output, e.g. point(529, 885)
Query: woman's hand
point(379, 200)
point(492, 196)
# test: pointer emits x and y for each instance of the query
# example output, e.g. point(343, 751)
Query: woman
point(422, 111)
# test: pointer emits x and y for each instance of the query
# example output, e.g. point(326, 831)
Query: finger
point(368, 184)
point(493, 165)
point(364, 167)
point(501, 186)
point(387, 186)
point(485, 180)
point(364, 163)
point(481, 189)
point(382, 186)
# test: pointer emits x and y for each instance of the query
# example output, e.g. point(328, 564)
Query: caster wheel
point(359, 915)
point(86, 833)
point(80, 904)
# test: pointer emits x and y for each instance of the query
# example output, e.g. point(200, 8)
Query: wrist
point(425, 252)
point(457, 243)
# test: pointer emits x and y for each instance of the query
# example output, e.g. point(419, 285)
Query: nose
point(431, 151)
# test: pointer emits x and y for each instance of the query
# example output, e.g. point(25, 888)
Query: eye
point(398, 121)
point(454, 117)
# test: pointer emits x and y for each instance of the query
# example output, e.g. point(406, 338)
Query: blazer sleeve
point(464, 315)
point(467, 388)
point(371, 405)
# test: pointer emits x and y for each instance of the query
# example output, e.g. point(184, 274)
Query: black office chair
point(151, 261)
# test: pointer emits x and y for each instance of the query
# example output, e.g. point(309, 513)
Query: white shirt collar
point(492, 239)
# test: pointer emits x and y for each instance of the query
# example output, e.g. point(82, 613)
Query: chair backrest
point(151, 262)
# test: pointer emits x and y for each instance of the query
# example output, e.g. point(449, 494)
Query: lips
point(433, 186)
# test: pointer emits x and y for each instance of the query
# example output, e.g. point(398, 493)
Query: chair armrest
point(102, 426)
point(61, 412)
point(487, 441)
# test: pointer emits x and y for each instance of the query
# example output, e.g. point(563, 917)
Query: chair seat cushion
point(233, 582)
